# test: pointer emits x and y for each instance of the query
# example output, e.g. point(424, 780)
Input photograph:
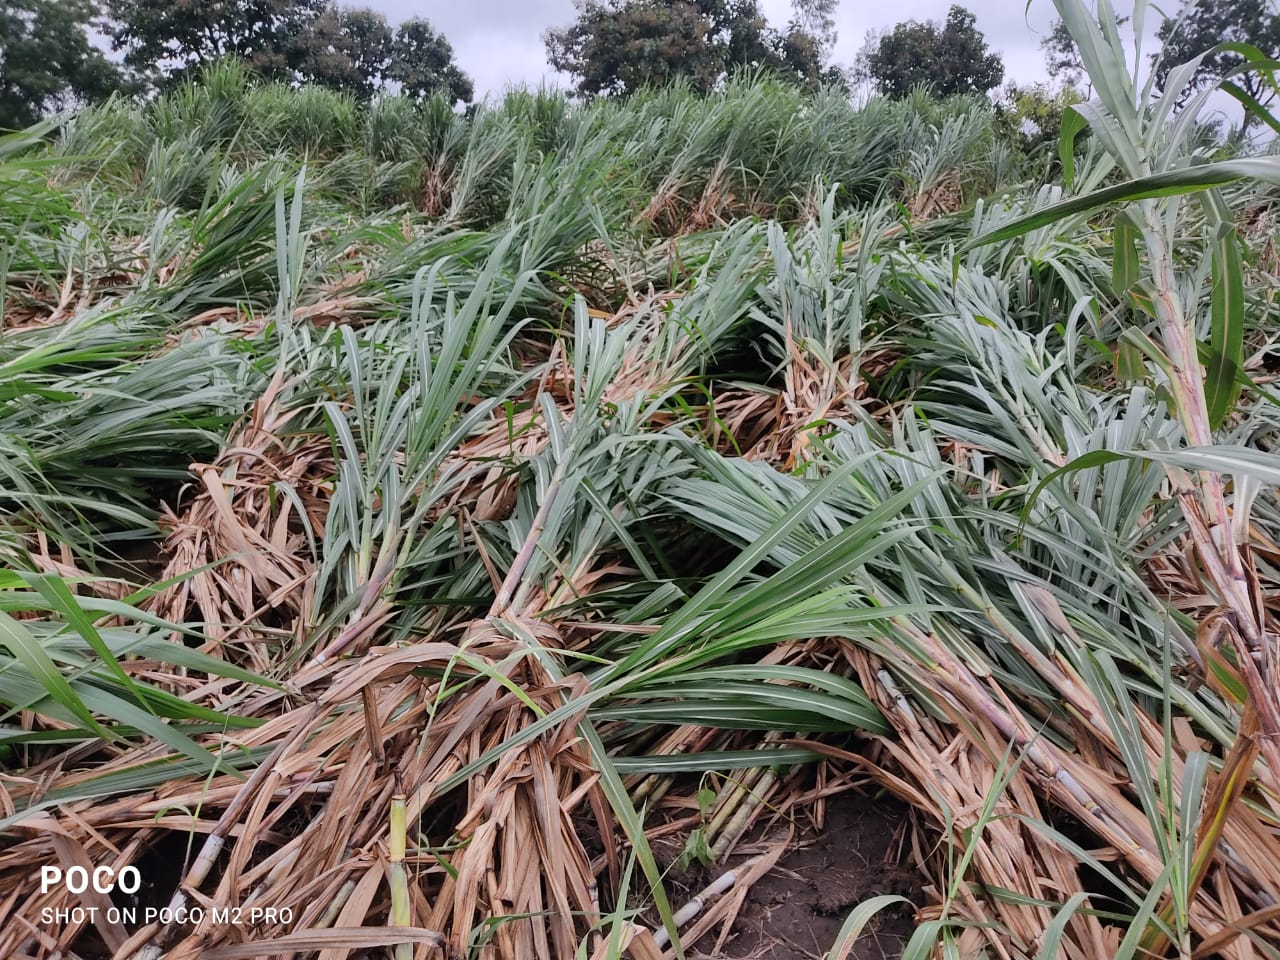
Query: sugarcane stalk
point(593, 891)
point(722, 884)
point(213, 844)
point(653, 787)
point(399, 878)
point(895, 693)
point(1042, 756)
point(731, 795)
point(507, 590)
point(752, 799)
point(1216, 545)
point(335, 906)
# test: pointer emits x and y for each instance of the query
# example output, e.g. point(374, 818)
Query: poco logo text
point(78, 879)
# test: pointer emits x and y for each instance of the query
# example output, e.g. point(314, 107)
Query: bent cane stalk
point(1206, 512)
point(1259, 730)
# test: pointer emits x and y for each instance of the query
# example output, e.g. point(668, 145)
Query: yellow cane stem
point(399, 878)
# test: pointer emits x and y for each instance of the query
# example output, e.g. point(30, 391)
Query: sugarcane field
point(639, 480)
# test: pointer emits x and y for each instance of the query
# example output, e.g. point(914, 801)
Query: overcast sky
point(499, 42)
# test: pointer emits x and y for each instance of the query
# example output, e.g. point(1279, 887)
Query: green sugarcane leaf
point(858, 918)
point(1130, 365)
point(1233, 459)
point(1142, 297)
point(1124, 257)
point(63, 601)
point(1058, 926)
point(23, 645)
point(1255, 61)
point(1166, 184)
point(1073, 122)
point(715, 760)
point(1251, 104)
point(1226, 339)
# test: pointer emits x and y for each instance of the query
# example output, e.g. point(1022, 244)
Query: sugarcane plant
point(1149, 136)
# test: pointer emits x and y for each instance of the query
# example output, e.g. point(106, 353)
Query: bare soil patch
point(796, 910)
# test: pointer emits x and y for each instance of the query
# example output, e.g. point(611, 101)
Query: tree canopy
point(46, 59)
point(422, 63)
point(346, 49)
point(352, 49)
point(1206, 23)
point(1061, 55)
point(951, 57)
point(168, 38)
point(617, 46)
point(1030, 116)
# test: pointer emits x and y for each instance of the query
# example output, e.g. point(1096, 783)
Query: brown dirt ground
point(796, 910)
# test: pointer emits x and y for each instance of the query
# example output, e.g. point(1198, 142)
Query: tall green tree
point(1061, 55)
point(617, 46)
point(1030, 117)
point(951, 57)
point(169, 37)
point(422, 63)
point(355, 51)
point(816, 19)
point(1203, 24)
point(345, 48)
point(351, 49)
point(805, 49)
point(46, 59)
